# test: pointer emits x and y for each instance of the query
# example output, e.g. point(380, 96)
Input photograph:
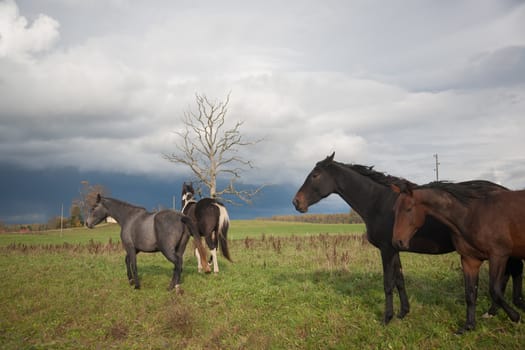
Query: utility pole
point(436, 169)
point(61, 219)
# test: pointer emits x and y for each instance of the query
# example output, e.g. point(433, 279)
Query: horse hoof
point(387, 319)
point(178, 290)
point(401, 315)
point(492, 311)
point(487, 315)
point(465, 328)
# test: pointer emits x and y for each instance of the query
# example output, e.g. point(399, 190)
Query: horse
point(166, 231)
point(484, 226)
point(368, 193)
point(212, 221)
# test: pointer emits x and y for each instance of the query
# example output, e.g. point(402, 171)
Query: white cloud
point(18, 38)
point(373, 82)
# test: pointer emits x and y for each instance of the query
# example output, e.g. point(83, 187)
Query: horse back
point(169, 228)
point(207, 213)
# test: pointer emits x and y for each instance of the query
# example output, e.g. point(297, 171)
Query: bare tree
point(210, 149)
point(88, 196)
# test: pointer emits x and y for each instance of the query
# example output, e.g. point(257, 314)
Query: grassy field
point(292, 286)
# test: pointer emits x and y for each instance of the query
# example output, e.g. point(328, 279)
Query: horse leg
point(133, 267)
point(211, 241)
point(198, 256)
point(400, 285)
point(515, 269)
point(177, 272)
point(470, 274)
point(496, 272)
point(214, 258)
point(128, 269)
point(387, 257)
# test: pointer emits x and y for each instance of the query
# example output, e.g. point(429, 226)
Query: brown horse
point(485, 226)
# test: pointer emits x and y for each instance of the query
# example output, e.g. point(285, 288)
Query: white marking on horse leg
point(215, 263)
point(199, 265)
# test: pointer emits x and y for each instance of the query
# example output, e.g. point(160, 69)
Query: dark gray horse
point(166, 231)
point(212, 220)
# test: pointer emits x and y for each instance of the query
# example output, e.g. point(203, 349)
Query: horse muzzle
point(299, 205)
point(401, 244)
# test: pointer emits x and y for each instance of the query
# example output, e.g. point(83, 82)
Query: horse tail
point(222, 230)
point(194, 232)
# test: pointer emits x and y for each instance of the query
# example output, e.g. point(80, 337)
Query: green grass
point(289, 288)
point(239, 229)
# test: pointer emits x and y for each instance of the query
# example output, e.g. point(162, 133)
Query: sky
point(95, 91)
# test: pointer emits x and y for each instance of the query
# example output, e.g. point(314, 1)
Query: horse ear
point(331, 157)
point(404, 187)
point(395, 188)
point(99, 198)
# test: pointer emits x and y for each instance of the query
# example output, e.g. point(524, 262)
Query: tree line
point(343, 218)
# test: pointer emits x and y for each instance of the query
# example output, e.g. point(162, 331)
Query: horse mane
point(376, 176)
point(483, 185)
point(118, 201)
point(463, 192)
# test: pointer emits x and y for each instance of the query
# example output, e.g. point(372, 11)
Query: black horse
point(368, 192)
point(212, 220)
point(167, 231)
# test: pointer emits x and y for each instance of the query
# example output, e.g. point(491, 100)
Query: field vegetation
point(291, 286)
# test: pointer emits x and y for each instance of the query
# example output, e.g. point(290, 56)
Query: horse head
point(318, 185)
point(98, 213)
point(188, 194)
point(409, 215)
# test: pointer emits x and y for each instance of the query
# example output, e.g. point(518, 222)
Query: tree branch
point(209, 149)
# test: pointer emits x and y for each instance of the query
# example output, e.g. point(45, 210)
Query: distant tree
point(210, 149)
point(54, 223)
point(88, 196)
point(75, 219)
point(355, 218)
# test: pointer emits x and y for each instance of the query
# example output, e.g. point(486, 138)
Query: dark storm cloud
point(100, 86)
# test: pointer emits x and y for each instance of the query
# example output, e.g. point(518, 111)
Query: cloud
point(503, 67)
point(375, 83)
point(18, 38)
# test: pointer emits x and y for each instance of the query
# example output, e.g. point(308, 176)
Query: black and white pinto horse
point(167, 231)
point(212, 221)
